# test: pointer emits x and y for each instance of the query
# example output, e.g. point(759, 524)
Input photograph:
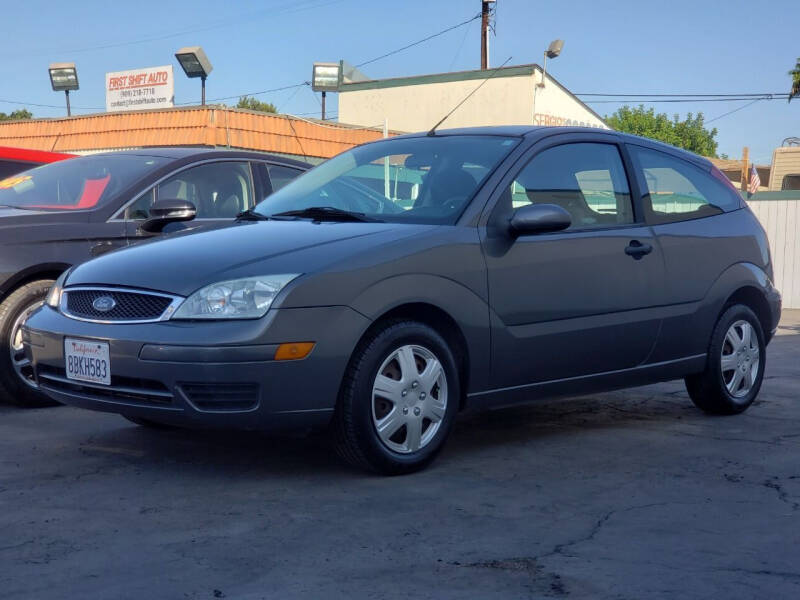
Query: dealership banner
point(151, 87)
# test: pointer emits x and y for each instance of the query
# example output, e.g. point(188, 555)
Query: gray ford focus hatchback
point(407, 279)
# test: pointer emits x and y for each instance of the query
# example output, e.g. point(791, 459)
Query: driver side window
point(586, 179)
point(218, 190)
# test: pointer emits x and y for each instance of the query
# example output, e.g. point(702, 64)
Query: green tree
point(795, 75)
point(16, 115)
point(690, 134)
point(251, 103)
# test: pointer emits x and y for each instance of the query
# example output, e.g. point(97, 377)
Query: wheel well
point(50, 273)
point(439, 320)
point(755, 300)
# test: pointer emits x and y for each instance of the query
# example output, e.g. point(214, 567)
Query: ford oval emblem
point(104, 304)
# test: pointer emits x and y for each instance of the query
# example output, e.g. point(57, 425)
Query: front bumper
point(205, 374)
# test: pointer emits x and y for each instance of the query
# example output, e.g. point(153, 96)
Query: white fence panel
point(781, 219)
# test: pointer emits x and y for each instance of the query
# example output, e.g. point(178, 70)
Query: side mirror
point(539, 218)
point(164, 212)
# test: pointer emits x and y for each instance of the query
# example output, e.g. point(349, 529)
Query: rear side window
point(279, 176)
point(677, 190)
point(586, 179)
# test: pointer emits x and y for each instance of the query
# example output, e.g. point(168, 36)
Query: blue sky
point(624, 46)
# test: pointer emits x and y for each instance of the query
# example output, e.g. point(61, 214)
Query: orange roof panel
point(192, 126)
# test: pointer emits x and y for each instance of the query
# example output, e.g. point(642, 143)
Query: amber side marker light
point(294, 350)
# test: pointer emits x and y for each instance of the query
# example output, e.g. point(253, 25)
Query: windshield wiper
point(251, 215)
point(328, 213)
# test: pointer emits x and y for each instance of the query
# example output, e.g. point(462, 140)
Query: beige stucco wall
point(785, 161)
point(554, 106)
point(501, 101)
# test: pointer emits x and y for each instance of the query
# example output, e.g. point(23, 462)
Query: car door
point(219, 190)
point(578, 301)
point(101, 235)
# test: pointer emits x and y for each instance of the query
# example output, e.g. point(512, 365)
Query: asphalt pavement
point(632, 494)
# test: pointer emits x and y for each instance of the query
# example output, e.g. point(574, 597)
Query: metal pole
point(69, 112)
point(484, 35)
point(544, 70)
point(203, 92)
point(323, 104)
point(386, 190)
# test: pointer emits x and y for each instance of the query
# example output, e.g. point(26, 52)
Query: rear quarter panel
point(707, 260)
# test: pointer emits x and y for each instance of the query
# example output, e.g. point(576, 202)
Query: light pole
point(553, 50)
point(325, 77)
point(64, 77)
point(195, 63)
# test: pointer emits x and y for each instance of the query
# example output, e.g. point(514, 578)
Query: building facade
point(511, 96)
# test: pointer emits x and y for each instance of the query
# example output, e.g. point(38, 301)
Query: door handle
point(637, 249)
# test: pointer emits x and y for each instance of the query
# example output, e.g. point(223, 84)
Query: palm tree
point(795, 74)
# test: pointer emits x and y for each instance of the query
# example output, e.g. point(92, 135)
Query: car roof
point(184, 152)
point(24, 154)
point(544, 131)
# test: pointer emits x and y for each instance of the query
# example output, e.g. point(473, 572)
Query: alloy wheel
point(409, 399)
point(22, 366)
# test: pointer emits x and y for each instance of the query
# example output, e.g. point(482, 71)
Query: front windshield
point(414, 180)
point(77, 183)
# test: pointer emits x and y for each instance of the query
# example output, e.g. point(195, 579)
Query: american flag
point(755, 180)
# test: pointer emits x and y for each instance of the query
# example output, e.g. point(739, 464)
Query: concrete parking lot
point(631, 494)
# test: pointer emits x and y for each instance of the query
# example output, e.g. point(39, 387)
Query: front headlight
point(248, 298)
point(54, 295)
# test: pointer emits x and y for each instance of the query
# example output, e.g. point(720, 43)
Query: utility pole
point(485, 14)
point(745, 168)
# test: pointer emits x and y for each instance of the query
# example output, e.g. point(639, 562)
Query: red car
point(15, 160)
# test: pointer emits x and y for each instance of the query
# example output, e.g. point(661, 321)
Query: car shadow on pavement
point(573, 416)
point(249, 454)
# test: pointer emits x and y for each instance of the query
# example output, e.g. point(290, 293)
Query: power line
point(271, 12)
point(688, 100)
point(278, 89)
point(671, 95)
point(460, 47)
point(51, 105)
point(430, 37)
point(730, 112)
point(372, 60)
point(309, 4)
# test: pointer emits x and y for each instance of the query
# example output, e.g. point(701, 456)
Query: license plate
point(87, 360)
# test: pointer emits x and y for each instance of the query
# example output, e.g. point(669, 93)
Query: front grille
point(128, 305)
point(131, 390)
point(222, 397)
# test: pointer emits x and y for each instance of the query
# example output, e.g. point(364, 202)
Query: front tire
point(17, 384)
point(398, 400)
point(735, 367)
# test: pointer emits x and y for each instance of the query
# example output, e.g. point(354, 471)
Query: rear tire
point(17, 385)
point(735, 364)
point(398, 400)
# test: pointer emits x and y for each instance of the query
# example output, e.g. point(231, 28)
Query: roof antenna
point(494, 72)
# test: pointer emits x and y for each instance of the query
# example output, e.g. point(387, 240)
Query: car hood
point(184, 263)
